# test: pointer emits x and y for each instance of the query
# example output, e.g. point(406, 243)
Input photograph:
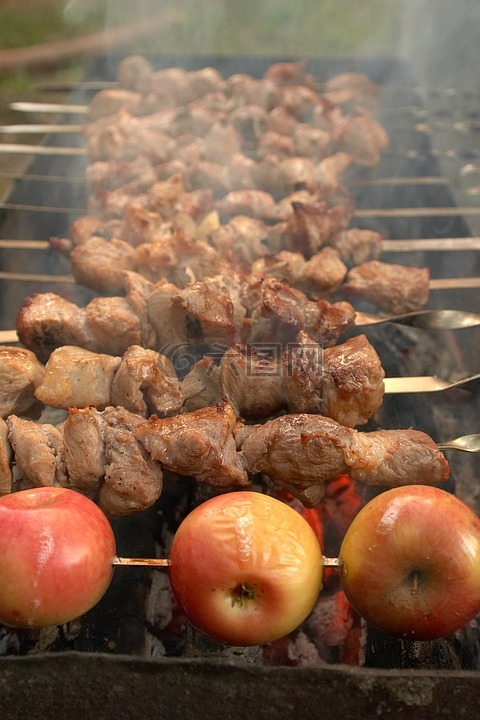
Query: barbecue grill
point(115, 662)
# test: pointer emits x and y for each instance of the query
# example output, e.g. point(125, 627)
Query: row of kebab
point(219, 249)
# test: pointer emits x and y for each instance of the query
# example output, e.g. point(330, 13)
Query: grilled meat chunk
point(75, 377)
point(20, 375)
point(303, 452)
point(84, 449)
point(100, 263)
point(317, 277)
point(46, 321)
point(105, 461)
point(132, 481)
point(38, 450)
point(392, 287)
point(6, 475)
point(356, 246)
point(145, 383)
point(199, 444)
point(344, 382)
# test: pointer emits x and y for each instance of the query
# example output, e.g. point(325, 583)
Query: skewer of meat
point(119, 459)
point(344, 382)
point(217, 311)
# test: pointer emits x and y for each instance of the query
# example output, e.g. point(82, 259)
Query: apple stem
point(331, 562)
point(149, 562)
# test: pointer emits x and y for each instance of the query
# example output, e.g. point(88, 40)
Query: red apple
point(246, 568)
point(56, 552)
point(410, 562)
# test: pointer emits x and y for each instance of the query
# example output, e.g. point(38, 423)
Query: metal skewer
point(38, 107)
point(429, 383)
point(41, 129)
point(414, 245)
point(467, 443)
point(165, 563)
point(427, 319)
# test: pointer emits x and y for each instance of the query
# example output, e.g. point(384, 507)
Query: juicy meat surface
point(84, 449)
point(200, 444)
point(392, 287)
point(303, 452)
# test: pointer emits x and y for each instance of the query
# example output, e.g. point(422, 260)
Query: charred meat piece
point(391, 287)
point(255, 203)
point(199, 444)
point(181, 259)
point(303, 452)
point(20, 375)
point(277, 312)
point(353, 88)
point(137, 175)
point(201, 386)
point(353, 377)
point(111, 101)
point(312, 224)
point(241, 241)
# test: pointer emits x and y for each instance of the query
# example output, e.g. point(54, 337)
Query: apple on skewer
point(246, 567)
